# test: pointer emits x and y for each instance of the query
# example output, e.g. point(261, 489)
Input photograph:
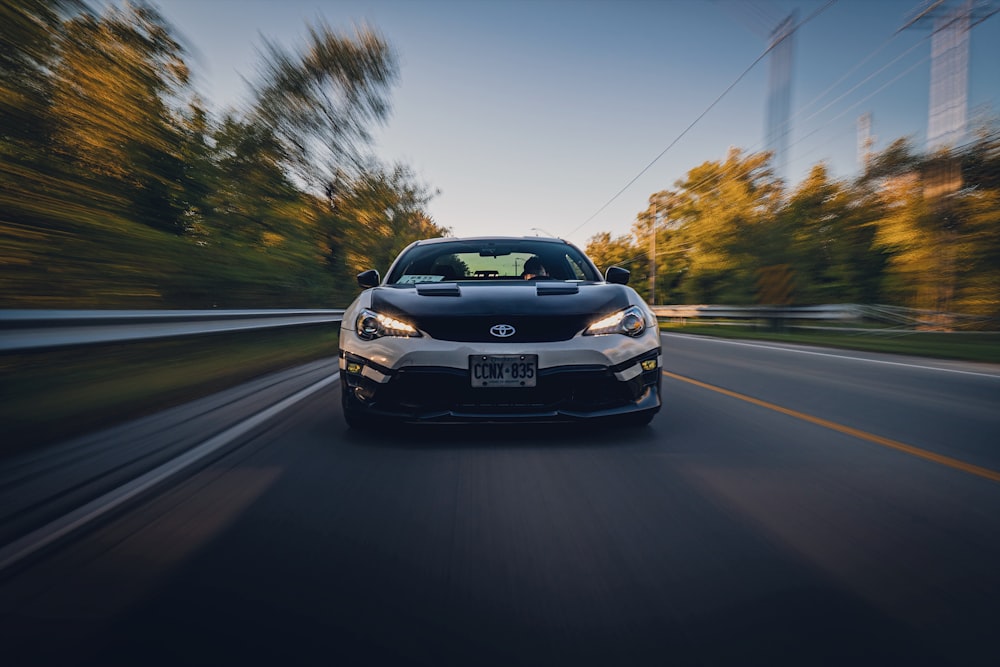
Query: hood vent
point(438, 289)
point(548, 289)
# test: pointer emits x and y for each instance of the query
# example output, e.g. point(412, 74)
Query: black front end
point(568, 393)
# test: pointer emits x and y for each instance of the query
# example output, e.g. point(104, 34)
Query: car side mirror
point(369, 278)
point(617, 275)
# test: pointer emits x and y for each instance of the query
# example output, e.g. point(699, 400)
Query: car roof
point(480, 239)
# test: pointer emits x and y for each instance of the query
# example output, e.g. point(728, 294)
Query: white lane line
point(834, 356)
point(46, 535)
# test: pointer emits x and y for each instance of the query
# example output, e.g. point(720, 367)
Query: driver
point(533, 268)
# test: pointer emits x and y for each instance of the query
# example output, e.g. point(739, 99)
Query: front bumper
point(566, 392)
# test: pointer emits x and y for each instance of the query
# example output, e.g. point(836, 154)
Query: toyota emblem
point(502, 330)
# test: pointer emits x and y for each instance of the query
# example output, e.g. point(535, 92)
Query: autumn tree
point(28, 48)
point(938, 223)
point(28, 51)
point(373, 217)
point(721, 213)
point(250, 189)
point(620, 251)
point(825, 232)
point(978, 206)
point(113, 85)
point(118, 180)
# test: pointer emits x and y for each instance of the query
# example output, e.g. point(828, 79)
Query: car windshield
point(491, 260)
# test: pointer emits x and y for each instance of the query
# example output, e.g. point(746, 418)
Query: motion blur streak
point(122, 190)
point(985, 473)
point(66, 525)
point(123, 572)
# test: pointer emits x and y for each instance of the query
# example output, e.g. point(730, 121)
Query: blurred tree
point(56, 242)
point(721, 213)
point(897, 159)
point(967, 219)
point(249, 184)
point(975, 225)
point(620, 251)
point(28, 30)
point(981, 161)
point(826, 232)
point(322, 101)
point(198, 176)
point(937, 224)
point(121, 191)
point(113, 84)
point(978, 251)
point(372, 218)
point(909, 276)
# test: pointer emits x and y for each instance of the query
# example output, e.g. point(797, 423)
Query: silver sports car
point(498, 329)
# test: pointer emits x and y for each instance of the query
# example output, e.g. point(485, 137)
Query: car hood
point(542, 311)
point(543, 298)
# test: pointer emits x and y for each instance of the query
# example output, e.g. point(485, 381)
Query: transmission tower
point(947, 122)
point(779, 98)
point(947, 128)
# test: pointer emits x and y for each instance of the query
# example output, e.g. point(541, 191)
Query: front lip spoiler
point(650, 400)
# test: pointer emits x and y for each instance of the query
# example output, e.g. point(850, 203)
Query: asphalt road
point(787, 507)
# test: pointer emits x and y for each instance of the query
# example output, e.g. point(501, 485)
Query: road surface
point(789, 506)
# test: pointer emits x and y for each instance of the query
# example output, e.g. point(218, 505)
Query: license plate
point(503, 370)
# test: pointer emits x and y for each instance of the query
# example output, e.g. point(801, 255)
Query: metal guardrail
point(885, 318)
point(24, 330)
point(846, 312)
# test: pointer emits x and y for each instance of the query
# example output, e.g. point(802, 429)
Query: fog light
point(364, 394)
point(353, 367)
point(649, 365)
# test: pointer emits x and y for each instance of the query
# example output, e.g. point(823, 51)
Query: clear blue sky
point(534, 113)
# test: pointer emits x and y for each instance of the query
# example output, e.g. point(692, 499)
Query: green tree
point(721, 214)
point(373, 217)
point(827, 234)
point(249, 185)
point(321, 102)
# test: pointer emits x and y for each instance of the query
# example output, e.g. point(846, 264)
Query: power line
point(698, 119)
point(642, 253)
point(865, 99)
point(867, 79)
point(752, 149)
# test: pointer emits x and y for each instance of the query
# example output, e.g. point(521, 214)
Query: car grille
point(588, 388)
point(528, 328)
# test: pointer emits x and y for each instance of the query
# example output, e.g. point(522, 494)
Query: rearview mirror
point(369, 278)
point(617, 275)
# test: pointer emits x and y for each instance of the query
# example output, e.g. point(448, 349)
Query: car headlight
point(371, 325)
point(632, 322)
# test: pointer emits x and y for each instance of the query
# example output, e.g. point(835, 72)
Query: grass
point(55, 394)
point(983, 347)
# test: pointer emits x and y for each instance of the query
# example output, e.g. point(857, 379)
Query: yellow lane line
point(878, 440)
